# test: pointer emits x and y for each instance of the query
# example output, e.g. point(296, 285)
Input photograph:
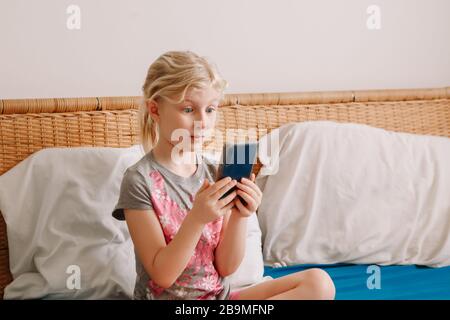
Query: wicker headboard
point(29, 125)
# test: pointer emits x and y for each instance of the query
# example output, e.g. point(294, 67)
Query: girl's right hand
point(207, 207)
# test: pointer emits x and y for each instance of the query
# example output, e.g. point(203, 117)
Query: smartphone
point(237, 163)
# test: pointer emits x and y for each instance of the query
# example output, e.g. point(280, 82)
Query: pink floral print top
point(149, 185)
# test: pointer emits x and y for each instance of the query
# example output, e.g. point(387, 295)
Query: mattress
point(372, 282)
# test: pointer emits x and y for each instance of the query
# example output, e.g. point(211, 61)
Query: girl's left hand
point(251, 193)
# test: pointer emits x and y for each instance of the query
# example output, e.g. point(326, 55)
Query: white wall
point(259, 45)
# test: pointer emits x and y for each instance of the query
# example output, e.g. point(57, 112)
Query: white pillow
point(57, 206)
point(351, 193)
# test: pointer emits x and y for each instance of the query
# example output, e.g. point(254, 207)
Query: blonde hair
point(169, 77)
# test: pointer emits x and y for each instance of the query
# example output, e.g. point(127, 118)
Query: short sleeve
point(134, 194)
point(211, 166)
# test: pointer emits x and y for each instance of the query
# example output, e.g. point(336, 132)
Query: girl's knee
point(321, 283)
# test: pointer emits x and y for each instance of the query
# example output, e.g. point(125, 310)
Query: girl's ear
point(153, 111)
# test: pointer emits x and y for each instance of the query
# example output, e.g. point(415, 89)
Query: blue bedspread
point(356, 282)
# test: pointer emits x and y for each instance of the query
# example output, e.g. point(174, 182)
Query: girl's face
point(196, 116)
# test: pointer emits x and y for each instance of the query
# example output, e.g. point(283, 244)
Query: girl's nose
point(201, 120)
point(199, 125)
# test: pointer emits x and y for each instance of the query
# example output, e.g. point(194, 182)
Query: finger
point(227, 199)
point(218, 194)
point(252, 185)
point(204, 185)
point(247, 181)
point(247, 198)
point(229, 206)
point(253, 177)
point(249, 184)
point(247, 189)
point(219, 184)
point(241, 207)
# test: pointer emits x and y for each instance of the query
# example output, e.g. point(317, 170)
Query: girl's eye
point(187, 109)
point(209, 110)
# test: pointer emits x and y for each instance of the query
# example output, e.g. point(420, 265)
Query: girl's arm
point(164, 263)
point(231, 248)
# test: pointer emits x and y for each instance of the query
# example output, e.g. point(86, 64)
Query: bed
point(29, 125)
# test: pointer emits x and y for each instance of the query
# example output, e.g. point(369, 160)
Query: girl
point(187, 239)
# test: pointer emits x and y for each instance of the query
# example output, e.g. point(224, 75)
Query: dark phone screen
point(237, 163)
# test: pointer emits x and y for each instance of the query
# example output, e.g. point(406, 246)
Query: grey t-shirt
point(147, 185)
